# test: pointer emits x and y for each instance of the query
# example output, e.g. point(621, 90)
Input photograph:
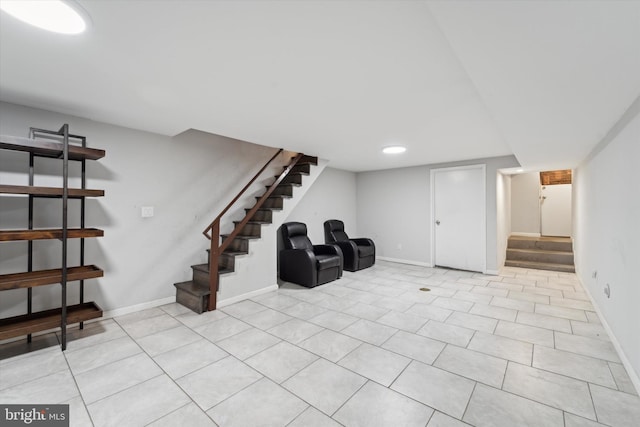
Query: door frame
point(483, 168)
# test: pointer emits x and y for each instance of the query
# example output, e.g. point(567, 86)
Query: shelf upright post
point(64, 130)
point(82, 207)
point(30, 242)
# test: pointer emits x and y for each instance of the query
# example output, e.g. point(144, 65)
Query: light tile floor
point(524, 348)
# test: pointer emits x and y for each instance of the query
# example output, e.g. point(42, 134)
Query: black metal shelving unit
point(67, 147)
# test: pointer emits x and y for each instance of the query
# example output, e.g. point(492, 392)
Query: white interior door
point(459, 224)
point(555, 210)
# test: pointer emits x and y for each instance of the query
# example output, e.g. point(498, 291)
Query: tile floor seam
point(36, 378)
point(351, 397)
point(175, 410)
point(70, 351)
point(295, 373)
point(504, 376)
point(532, 400)
point(595, 411)
point(546, 404)
point(124, 389)
point(466, 408)
point(615, 380)
point(78, 388)
point(231, 395)
point(471, 339)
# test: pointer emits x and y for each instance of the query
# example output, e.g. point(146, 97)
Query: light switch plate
point(146, 211)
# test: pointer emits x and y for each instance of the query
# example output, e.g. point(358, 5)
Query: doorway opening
point(555, 203)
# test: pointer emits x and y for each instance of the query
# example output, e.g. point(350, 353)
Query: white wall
point(188, 179)
point(333, 196)
point(394, 209)
point(607, 232)
point(525, 203)
point(389, 202)
point(503, 215)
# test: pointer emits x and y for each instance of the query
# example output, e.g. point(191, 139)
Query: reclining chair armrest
point(331, 249)
point(328, 249)
point(298, 256)
point(363, 242)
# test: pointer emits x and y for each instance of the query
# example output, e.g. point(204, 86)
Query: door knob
point(437, 222)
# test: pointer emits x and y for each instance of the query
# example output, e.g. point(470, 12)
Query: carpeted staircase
point(541, 253)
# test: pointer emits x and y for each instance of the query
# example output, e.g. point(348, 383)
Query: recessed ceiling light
point(64, 17)
point(394, 149)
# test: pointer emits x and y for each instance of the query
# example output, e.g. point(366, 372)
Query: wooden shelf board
point(47, 277)
point(49, 191)
point(49, 319)
point(48, 148)
point(48, 233)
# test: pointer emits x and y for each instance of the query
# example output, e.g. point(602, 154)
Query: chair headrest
point(294, 236)
point(334, 225)
point(334, 231)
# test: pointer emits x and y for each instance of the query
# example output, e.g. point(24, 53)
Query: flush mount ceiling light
point(394, 149)
point(64, 17)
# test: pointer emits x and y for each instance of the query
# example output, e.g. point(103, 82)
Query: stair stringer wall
point(257, 271)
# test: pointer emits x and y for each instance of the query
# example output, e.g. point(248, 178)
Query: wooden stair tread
point(541, 239)
point(47, 277)
point(231, 252)
point(234, 252)
point(539, 251)
point(568, 268)
point(48, 319)
point(292, 184)
point(193, 288)
point(49, 191)
point(312, 160)
point(205, 269)
point(290, 174)
point(48, 148)
point(276, 196)
point(48, 233)
point(253, 221)
point(267, 208)
point(241, 236)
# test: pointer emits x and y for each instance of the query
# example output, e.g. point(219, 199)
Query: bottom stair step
point(566, 268)
point(192, 295)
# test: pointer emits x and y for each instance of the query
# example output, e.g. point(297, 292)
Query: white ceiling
point(451, 80)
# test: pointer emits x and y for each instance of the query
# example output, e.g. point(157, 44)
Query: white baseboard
point(162, 301)
point(403, 261)
point(518, 233)
point(248, 295)
point(633, 375)
point(137, 307)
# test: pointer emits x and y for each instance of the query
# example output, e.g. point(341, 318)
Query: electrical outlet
point(594, 274)
point(146, 211)
point(607, 291)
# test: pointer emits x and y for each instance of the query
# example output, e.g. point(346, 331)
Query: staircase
point(541, 253)
point(199, 293)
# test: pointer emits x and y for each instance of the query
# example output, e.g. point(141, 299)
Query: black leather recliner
point(306, 264)
point(357, 253)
